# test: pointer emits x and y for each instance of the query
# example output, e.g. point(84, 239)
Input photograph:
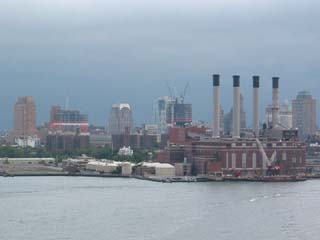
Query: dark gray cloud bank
point(101, 52)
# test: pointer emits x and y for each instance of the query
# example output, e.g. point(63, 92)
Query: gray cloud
point(101, 52)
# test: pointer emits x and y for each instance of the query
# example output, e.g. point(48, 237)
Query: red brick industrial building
point(242, 156)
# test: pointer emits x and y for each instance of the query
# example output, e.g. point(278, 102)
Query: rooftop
point(121, 106)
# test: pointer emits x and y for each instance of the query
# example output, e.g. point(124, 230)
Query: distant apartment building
point(304, 114)
point(137, 141)
point(68, 130)
point(120, 119)
point(100, 140)
point(150, 129)
point(25, 117)
point(68, 121)
point(62, 142)
point(285, 116)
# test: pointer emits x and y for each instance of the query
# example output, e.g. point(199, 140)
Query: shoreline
point(186, 179)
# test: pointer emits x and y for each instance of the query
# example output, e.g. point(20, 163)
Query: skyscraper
point(304, 114)
point(182, 114)
point(228, 119)
point(285, 116)
point(68, 120)
point(25, 117)
point(121, 119)
point(163, 113)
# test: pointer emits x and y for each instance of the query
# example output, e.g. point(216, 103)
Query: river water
point(77, 208)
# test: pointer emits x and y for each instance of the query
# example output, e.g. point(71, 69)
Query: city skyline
point(99, 53)
point(245, 101)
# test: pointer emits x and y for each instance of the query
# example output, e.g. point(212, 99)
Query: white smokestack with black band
point(275, 102)
point(216, 106)
point(256, 110)
point(236, 106)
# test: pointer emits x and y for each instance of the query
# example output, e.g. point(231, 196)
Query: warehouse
point(108, 166)
point(104, 167)
point(155, 169)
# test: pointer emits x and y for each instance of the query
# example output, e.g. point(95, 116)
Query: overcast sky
point(100, 52)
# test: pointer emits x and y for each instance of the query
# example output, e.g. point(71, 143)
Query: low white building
point(104, 167)
point(27, 142)
point(126, 168)
point(161, 169)
point(125, 151)
point(107, 166)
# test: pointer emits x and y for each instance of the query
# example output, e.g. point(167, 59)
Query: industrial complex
point(264, 152)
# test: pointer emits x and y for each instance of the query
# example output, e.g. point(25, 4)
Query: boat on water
point(283, 178)
point(272, 178)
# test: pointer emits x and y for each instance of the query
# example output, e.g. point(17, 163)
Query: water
point(65, 208)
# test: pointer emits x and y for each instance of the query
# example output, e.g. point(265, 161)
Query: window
point(284, 156)
point(233, 159)
point(254, 160)
point(244, 160)
point(227, 160)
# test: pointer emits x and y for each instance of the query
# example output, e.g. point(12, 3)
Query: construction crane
point(174, 95)
point(266, 162)
point(170, 91)
point(183, 94)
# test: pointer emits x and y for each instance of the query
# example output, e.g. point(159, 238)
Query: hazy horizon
point(99, 53)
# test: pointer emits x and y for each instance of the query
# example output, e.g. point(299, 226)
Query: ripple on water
point(74, 208)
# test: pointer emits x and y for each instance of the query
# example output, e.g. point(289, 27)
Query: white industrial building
point(126, 168)
point(106, 167)
point(109, 167)
point(159, 169)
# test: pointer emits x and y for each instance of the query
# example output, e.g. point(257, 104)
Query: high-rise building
point(121, 119)
point(304, 114)
point(163, 112)
point(285, 116)
point(182, 114)
point(68, 120)
point(228, 119)
point(25, 117)
point(169, 112)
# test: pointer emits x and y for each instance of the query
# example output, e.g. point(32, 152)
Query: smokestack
point(275, 102)
point(216, 105)
point(256, 85)
point(236, 106)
